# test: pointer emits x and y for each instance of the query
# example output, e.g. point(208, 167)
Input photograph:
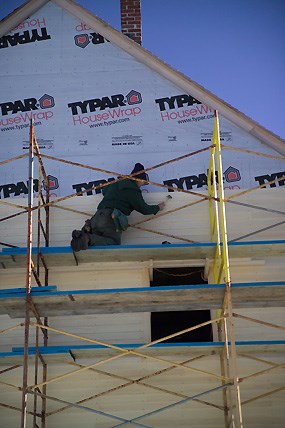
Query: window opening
point(166, 323)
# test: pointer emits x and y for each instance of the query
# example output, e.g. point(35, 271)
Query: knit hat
point(139, 167)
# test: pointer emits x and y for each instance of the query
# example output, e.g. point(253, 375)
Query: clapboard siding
point(268, 270)
point(190, 223)
point(135, 400)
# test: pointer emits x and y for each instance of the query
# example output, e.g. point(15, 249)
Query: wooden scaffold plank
point(143, 299)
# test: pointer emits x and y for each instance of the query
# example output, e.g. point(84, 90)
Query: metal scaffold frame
point(32, 269)
point(221, 267)
point(228, 377)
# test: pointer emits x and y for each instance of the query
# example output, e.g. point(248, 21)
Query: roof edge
point(19, 15)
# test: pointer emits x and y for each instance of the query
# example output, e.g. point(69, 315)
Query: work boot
point(80, 240)
point(76, 234)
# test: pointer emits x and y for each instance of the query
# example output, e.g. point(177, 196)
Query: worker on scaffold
point(110, 219)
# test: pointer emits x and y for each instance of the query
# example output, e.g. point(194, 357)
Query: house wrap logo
point(187, 183)
point(270, 178)
point(184, 114)
point(21, 187)
point(52, 182)
point(13, 107)
point(82, 40)
point(29, 35)
point(232, 174)
point(198, 181)
point(17, 111)
point(113, 109)
point(88, 188)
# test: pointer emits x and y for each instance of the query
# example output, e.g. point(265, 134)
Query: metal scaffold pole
point(28, 277)
point(226, 270)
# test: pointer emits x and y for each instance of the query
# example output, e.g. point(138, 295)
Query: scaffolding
point(219, 295)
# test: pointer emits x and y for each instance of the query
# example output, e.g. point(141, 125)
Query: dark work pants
point(103, 229)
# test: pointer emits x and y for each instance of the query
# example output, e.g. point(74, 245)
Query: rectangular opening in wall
point(166, 323)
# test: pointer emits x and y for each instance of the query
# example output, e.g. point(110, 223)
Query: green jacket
point(126, 196)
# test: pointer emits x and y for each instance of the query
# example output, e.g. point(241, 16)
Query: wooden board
point(144, 299)
point(64, 256)
point(178, 350)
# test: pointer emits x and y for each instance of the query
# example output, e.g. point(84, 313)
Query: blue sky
point(234, 48)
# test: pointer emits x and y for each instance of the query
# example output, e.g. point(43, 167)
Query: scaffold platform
point(64, 256)
point(144, 299)
point(69, 353)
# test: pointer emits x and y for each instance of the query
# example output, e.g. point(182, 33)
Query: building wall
point(153, 123)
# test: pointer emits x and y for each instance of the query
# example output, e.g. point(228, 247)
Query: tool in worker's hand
point(168, 197)
point(163, 203)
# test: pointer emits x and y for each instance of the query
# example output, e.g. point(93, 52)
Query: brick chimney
point(131, 24)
